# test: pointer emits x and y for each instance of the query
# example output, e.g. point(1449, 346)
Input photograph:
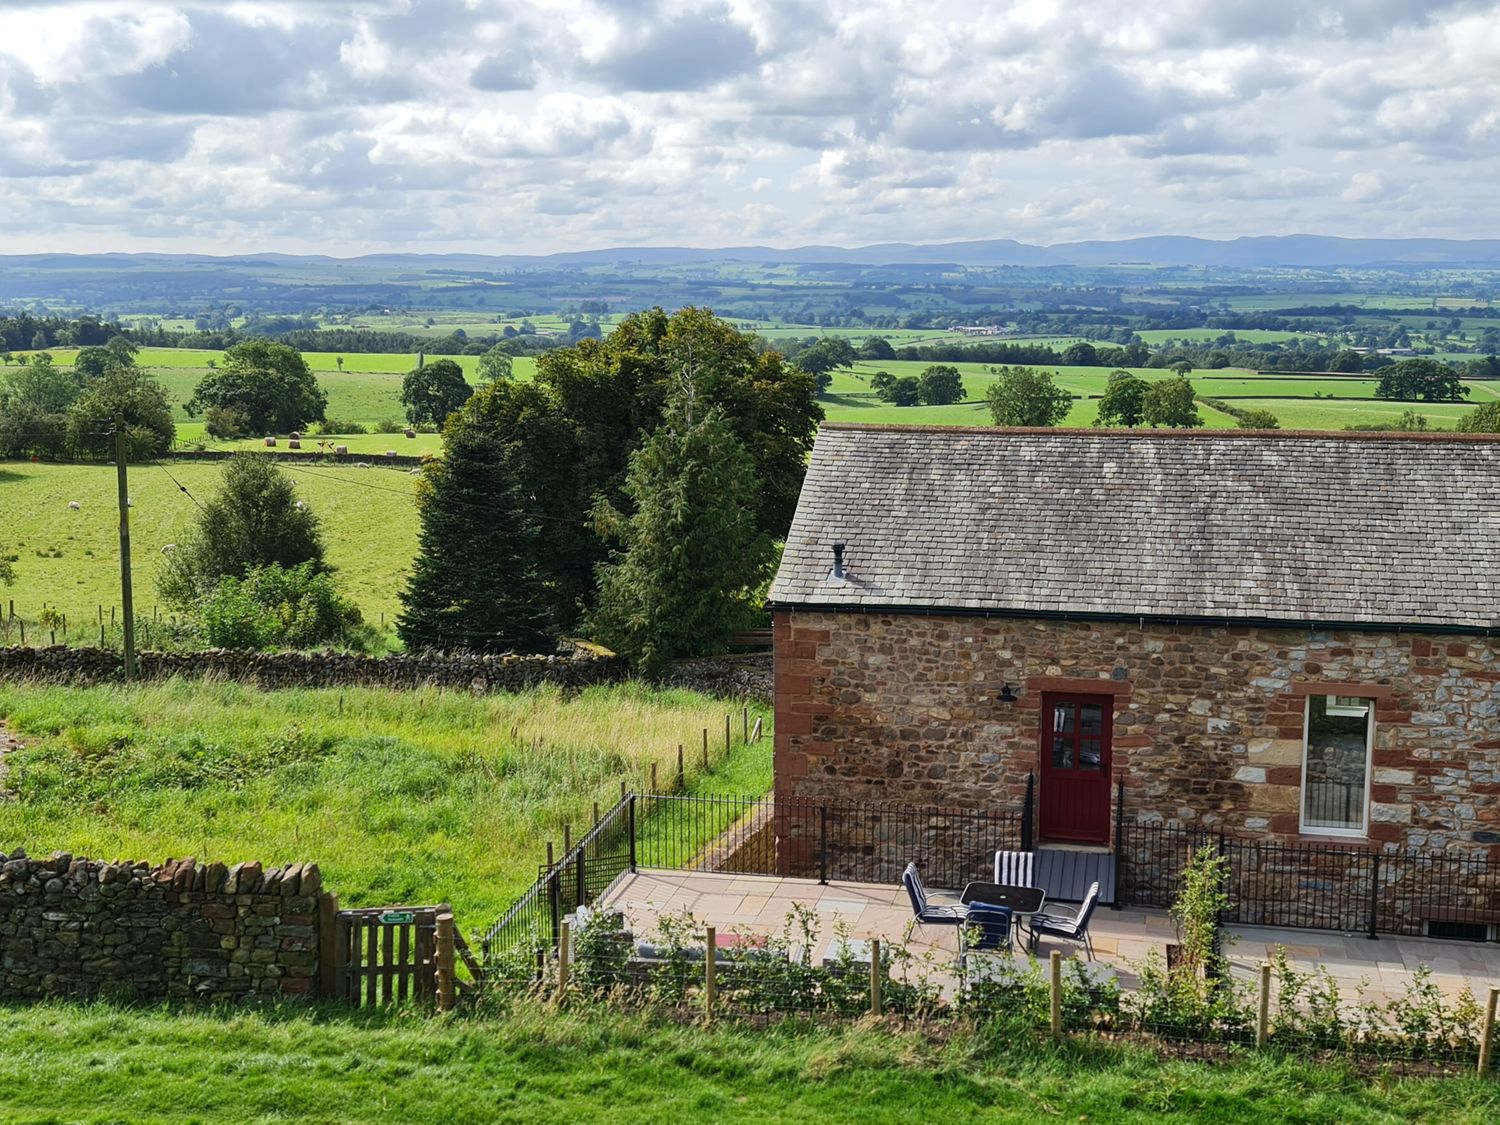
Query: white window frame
point(1349, 711)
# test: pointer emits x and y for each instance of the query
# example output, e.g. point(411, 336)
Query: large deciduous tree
point(1170, 402)
point(131, 394)
point(1124, 401)
point(940, 385)
point(433, 391)
point(1024, 396)
point(1421, 380)
point(266, 384)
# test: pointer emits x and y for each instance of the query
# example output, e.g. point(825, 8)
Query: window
point(1336, 765)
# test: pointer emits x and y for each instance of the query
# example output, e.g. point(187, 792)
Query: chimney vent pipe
point(838, 560)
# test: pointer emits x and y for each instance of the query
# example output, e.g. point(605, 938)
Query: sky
point(534, 126)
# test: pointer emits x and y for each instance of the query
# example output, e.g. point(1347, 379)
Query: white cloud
point(538, 125)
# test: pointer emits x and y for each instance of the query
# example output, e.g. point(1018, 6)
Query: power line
point(180, 486)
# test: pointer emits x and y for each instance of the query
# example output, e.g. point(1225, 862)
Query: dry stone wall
point(182, 930)
point(1208, 720)
point(731, 677)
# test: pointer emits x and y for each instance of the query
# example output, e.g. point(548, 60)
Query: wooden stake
point(1057, 996)
point(745, 715)
point(681, 768)
point(705, 760)
point(726, 736)
point(563, 951)
point(549, 855)
point(705, 741)
point(875, 1006)
point(1487, 1034)
point(445, 961)
point(596, 814)
point(622, 788)
point(710, 970)
point(653, 777)
point(1263, 1012)
point(567, 838)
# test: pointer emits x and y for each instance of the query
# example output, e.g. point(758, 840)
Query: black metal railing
point(1351, 888)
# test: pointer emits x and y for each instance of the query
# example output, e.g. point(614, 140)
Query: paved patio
point(750, 904)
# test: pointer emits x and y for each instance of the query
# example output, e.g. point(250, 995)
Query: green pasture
point(1328, 414)
point(538, 1065)
point(400, 796)
point(70, 559)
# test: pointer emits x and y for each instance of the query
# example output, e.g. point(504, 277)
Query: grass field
point(368, 390)
point(69, 558)
point(400, 796)
point(97, 1063)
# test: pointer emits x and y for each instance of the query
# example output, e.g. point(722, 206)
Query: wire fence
point(684, 968)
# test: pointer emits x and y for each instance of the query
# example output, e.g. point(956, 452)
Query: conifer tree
point(692, 560)
point(474, 585)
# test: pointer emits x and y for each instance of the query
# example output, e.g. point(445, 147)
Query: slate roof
point(1359, 528)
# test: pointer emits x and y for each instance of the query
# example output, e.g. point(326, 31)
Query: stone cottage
point(1294, 636)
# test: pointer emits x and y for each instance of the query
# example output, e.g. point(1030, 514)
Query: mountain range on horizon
point(1264, 251)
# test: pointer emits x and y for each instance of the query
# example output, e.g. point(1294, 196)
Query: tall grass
point(422, 796)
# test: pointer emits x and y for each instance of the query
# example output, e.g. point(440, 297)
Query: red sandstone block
point(1284, 824)
point(1386, 833)
point(794, 685)
point(1420, 647)
point(794, 722)
point(1458, 648)
point(812, 636)
point(1284, 775)
point(1385, 794)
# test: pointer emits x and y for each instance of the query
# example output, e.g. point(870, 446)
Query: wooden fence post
point(1263, 1012)
point(681, 768)
point(705, 740)
point(653, 777)
point(328, 914)
point(445, 962)
point(875, 1006)
point(710, 971)
point(1487, 1034)
point(726, 736)
point(1056, 996)
point(745, 719)
point(563, 953)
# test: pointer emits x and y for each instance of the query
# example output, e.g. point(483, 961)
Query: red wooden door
point(1074, 798)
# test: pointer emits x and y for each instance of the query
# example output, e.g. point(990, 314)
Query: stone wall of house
point(1208, 721)
point(736, 677)
point(82, 927)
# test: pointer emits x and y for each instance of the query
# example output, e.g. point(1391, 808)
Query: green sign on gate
point(397, 917)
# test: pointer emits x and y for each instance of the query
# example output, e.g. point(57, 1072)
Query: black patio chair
point(1074, 929)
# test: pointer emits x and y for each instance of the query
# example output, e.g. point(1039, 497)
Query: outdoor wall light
point(1006, 695)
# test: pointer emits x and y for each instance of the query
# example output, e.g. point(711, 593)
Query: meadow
point(97, 1063)
point(368, 390)
point(70, 558)
point(400, 796)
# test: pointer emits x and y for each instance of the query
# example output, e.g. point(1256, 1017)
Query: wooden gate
point(385, 955)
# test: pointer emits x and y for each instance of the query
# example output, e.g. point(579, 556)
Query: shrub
point(340, 426)
point(273, 606)
point(226, 422)
point(388, 426)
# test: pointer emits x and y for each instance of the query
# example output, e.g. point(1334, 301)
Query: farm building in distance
point(1290, 637)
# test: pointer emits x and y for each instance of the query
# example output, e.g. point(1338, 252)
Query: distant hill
point(1306, 250)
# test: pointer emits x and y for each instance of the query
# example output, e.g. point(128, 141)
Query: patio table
point(1023, 901)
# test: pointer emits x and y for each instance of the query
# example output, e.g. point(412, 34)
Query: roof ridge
point(1198, 434)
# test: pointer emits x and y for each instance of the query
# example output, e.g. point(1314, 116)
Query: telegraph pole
point(127, 601)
